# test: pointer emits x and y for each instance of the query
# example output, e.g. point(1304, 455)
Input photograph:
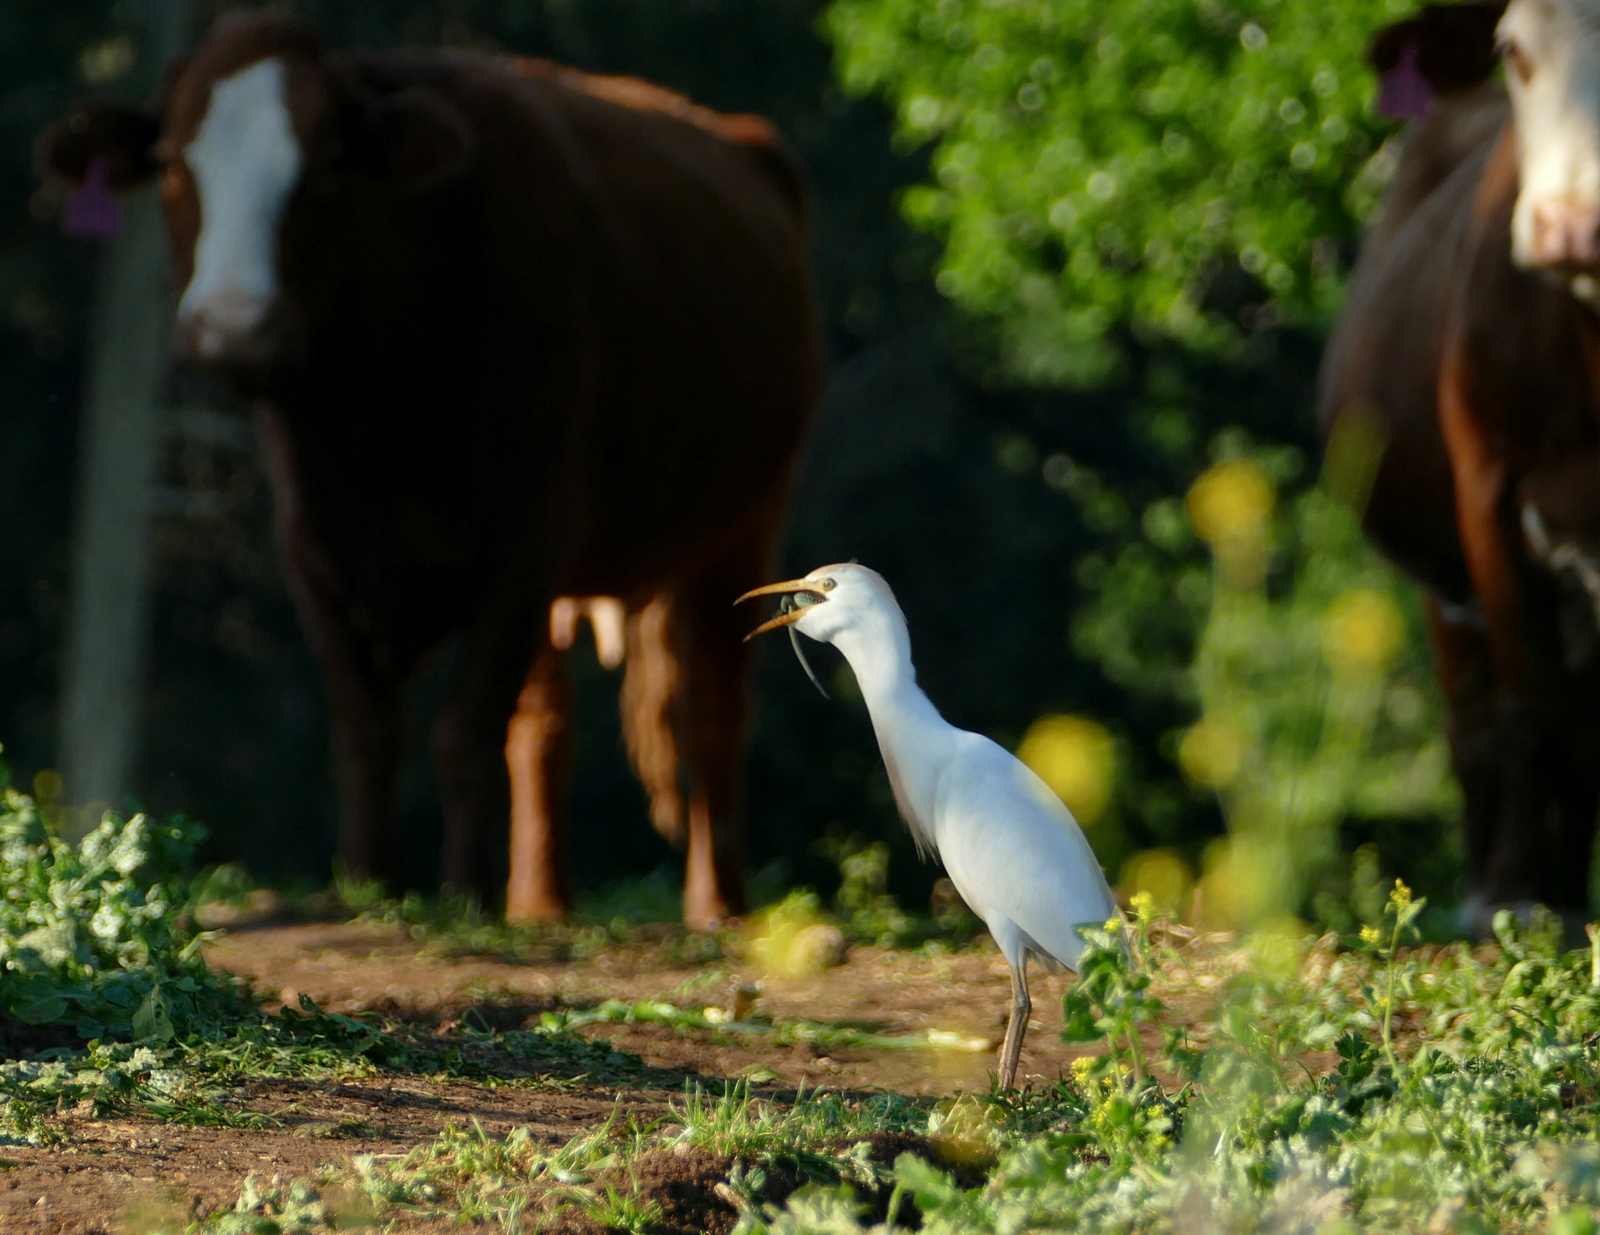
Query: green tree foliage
point(1097, 165)
point(1183, 182)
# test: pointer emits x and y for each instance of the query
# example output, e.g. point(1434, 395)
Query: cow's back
point(601, 336)
point(712, 354)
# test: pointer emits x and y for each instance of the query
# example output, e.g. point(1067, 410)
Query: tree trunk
point(122, 426)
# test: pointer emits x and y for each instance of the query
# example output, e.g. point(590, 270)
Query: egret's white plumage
point(1010, 846)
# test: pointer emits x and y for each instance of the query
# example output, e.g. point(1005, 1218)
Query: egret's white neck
point(912, 735)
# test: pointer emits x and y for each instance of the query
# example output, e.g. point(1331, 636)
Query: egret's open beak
point(798, 595)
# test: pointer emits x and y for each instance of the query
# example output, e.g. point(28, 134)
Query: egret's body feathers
point(1016, 855)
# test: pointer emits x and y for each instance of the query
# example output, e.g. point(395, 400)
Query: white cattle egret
point(1010, 846)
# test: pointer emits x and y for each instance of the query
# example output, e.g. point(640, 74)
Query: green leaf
point(41, 1011)
point(152, 1022)
point(931, 1186)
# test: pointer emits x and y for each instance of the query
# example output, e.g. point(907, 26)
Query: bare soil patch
point(352, 968)
point(115, 1175)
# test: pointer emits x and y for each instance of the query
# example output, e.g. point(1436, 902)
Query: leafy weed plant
point(1369, 1089)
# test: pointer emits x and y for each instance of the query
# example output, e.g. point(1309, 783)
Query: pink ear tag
point(92, 213)
point(1404, 92)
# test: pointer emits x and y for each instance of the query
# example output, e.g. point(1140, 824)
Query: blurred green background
point(1075, 258)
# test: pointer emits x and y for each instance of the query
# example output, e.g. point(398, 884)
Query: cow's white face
point(1551, 53)
point(245, 160)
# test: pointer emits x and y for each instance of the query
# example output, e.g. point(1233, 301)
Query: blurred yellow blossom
point(1211, 752)
point(1231, 506)
point(1239, 885)
point(1229, 500)
point(1371, 935)
point(1159, 878)
point(1362, 632)
point(1077, 758)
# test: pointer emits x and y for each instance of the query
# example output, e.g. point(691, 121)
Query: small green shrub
point(93, 936)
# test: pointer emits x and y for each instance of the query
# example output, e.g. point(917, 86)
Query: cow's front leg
point(538, 757)
point(1577, 791)
point(361, 676)
point(368, 742)
point(1466, 677)
point(469, 742)
point(366, 723)
point(1492, 543)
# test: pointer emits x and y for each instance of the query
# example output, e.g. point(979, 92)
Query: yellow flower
point(1362, 632)
point(1231, 499)
point(1371, 935)
point(1159, 881)
point(1400, 898)
point(1230, 506)
point(1077, 758)
point(1211, 753)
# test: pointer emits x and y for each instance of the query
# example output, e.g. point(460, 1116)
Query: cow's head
point(1550, 50)
point(260, 115)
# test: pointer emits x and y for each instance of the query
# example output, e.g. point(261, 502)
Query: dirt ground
point(351, 968)
point(115, 1175)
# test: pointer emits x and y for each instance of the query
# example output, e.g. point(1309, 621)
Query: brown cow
point(515, 332)
point(1470, 328)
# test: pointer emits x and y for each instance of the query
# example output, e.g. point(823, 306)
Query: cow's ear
point(1444, 49)
point(121, 137)
point(422, 139)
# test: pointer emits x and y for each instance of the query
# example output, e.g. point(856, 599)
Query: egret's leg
point(1021, 1009)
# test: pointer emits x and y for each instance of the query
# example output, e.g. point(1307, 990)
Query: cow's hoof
point(1477, 917)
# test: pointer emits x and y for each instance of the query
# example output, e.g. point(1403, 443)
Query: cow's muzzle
point(230, 327)
point(1566, 235)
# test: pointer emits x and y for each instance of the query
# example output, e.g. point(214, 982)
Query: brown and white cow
point(515, 333)
point(1470, 328)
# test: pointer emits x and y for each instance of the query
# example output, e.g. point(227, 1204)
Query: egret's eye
point(828, 585)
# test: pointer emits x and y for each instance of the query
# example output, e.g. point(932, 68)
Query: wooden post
point(121, 431)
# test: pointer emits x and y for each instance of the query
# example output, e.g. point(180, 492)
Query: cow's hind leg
point(538, 757)
point(651, 705)
point(715, 661)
